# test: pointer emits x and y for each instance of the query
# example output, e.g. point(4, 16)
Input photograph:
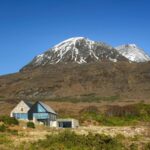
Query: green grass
point(118, 121)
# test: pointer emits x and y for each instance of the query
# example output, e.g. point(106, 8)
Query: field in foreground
point(104, 126)
point(19, 137)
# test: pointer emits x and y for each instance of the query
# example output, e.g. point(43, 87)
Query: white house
point(21, 110)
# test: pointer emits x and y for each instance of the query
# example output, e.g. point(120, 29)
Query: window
point(20, 115)
point(40, 108)
point(41, 115)
point(65, 124)
point(21, 109)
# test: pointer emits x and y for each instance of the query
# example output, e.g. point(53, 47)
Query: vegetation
point(111, 115)
point(30, 125)
point(68, 140)
point(4, 139)
point(9, 120)
point(117, 115)
point(3, 128)
point(147, 147)
point(5, 123)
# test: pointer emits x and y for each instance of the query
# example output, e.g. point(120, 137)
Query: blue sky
point(29, 27)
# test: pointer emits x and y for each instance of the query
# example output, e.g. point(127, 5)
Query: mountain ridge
point(83, 50)
point(77, 50)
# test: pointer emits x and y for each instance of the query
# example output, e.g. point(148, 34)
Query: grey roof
point(48, 108)
point(28, 103)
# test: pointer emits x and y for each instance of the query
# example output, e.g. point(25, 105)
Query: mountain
point(77, 50)
point(133, 53)
point(84, 69)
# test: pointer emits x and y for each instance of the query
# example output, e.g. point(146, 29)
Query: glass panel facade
point(40, 115)
point(20, 115)
point(40, 108)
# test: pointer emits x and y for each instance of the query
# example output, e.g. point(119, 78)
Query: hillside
point(93, 80)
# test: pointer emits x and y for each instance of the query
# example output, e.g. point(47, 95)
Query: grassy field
point(16, 135)
point(118, 126)
point(78, 139)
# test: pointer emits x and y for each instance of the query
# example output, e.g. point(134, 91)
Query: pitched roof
point(28, 103)
point(48, 108)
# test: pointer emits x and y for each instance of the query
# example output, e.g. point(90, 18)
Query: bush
point(2, 128)
point(30, 125)
point(147, 147)
point(68, 140)
point(133, 147)
point(9, 120)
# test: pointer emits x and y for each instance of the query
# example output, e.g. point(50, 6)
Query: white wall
point(22, 107)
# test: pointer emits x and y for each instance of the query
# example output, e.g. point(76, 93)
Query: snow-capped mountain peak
point(78, 50)
point(70, 40)
point(71, 43)
point(133, 53)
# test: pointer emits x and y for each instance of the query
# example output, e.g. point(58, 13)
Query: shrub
point(133, 147)
point(2, 128)
point(9, 120)
point(68, 140)
point(147, 147)
point(30, 125)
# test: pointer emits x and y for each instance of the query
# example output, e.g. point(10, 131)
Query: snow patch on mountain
point(70, 44)
point(39, 58)
point(133, 53)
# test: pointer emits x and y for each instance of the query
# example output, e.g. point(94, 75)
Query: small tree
point(30, 125)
